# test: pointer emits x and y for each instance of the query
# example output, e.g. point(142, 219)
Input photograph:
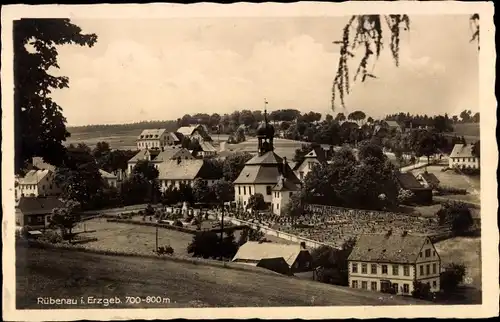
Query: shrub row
point(451, 190)
point(151, 224)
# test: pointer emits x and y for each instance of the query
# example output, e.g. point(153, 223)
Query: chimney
point(302, 245)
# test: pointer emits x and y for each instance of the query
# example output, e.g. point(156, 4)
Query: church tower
point(265, 135)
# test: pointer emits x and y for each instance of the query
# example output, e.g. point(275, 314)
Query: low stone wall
point(153, 224)
point(280, 234)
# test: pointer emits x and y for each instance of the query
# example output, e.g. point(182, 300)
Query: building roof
point(318, 153)
point(392, 123)
point(151, 134)
point(173, 136)
point(408, 181)
point(145, 154)
point(107, 175)
point(38, 205)
point(429, 178)
point(256, 251)
point(42, 165)
point(34, 176)
point(395, 248)
point(185, 170)
point(207, 147)
point(170, 153)
point(188, 130)
point(462, 151)
point(285, 185)
point(266, 169)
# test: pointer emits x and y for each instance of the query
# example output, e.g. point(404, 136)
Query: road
point(63, 274)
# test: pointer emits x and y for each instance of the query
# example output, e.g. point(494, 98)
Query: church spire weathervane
point(265, 110)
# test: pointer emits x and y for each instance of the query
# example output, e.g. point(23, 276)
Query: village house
point(384, 127)
point(37, 183)
point(152, 138)
point(394, 262)
point(184, 171)
point(197, 131)
point(462, 157)
point(408, 181)
point(317, 155)
point(110, 179)
point(280, 258)
point(264, 171)
point(282, 192)
point(158, 156)
point(207, 149)
point(36, 212)
point(428, 180)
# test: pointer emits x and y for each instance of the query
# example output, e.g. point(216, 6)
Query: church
point(266, 173)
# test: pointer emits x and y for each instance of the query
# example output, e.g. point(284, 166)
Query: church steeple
point(265, 134)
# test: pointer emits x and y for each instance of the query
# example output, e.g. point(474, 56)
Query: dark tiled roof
point(183, 170)
point(462, 151)
point(395, 248)
point(285, 185)
point(38, 205)
point(408, 181)
point(265, 173)
point(430, 178)
point(172, 153)
point(267, 158)
point(151, 134)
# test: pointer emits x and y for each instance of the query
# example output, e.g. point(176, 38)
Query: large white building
point(393, 262)
point(462, 157)
point(266, 173)
point(184, 171)
point(152, 138)
point(157, 156)
point(37, 183)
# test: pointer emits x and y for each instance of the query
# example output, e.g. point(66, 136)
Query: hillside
point(470, 131)
point(60, 273)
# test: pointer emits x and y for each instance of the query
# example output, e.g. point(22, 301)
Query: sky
point(148, 69)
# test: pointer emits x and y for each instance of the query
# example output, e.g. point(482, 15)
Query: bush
point(446, 190)
point(50, 236)
point(421, 291)
point(457, 215)
point(178, 223)
point(405, 196)
point(452, 276)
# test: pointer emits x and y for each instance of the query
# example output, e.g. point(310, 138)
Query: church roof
point(265, 169)
point(285, 185)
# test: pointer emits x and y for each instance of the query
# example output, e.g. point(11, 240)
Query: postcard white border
point(489, 152)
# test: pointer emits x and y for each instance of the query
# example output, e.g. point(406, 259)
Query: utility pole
point(222, 229)
point(156, 238)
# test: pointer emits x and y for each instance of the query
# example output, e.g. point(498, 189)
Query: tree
point(476, 149)
point(368, 150)
point(66, 218)
point(424, 143)
point(136, 189)
point(40, 125)
point(79, 177)
point(146, 169)
point(356, 116)
point(223, 190)
point(340, 117)
point(300, 154)
point(368, 37)
point(452, 276)
point(256, 202)
point(457, 216)
point(201, 192)
point(101, 149)
point(233, 165)
point(328, 118)
point(295, 206)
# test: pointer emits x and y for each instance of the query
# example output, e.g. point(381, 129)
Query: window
point(239, 190)
point(364, 269)
point(434, 270)
point(406, 288)
point(354, 267)
point(244, 190)
point(364, 285)
point(291, 194)
point(250, 190)
point(427, 253)
point(395, 270)
point(306, 264)
point(268, 190)
point(406, 270)
point(420, 255)
point(428, 269)
point(434, 253)
point(434, 284)
point(277, 206)
point(395, 286)
point(421, 269)
point(244, 203)
point(354, 284)
point(384, 269)
point(374, 268)
point(301, 174)
point(373, 286)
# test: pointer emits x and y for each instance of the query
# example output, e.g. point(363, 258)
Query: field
point(63, 274)
point(470, 131)
point(465, 250)
point(451, 179)
point(124, 139)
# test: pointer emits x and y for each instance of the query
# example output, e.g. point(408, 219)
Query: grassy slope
point(468, 130)
point(60, 274)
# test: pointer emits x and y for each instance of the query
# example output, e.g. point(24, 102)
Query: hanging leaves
point(474, 24)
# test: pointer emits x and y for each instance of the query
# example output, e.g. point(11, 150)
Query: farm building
point(207, 149)
point(184, 171)
point(280, 258)
point(408, 181)
point(392, 262)
point(318, 155)
point(37, 183)
point(35, 212)
point(158, 156)
point(428, 180)
point(462, 157)
point(198, 132)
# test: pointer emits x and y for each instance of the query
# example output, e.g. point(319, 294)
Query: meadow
point(470, 131)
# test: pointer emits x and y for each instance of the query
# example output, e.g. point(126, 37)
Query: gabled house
point(36, 212)
point(207, 149)
point(408, 181)
point(280, 258)
point(428, 180)
point(198, 132)
point(37, 183)
point(152, 138)
point(318, 155)
point(392, 262)
point(110, 179)
point(173, 139)
point(158, 156)
point(184, 171)
point(462, 157)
